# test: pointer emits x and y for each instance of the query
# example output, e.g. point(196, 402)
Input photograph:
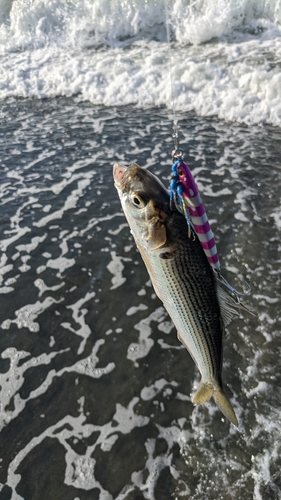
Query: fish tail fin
point(224, 405)
point(205, 392)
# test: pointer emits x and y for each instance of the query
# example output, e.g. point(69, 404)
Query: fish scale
point(202, 316)
point(180, 273)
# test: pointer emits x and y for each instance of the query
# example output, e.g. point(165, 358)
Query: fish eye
point(137, 200)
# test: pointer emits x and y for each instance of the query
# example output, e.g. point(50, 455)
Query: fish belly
point(198, 326)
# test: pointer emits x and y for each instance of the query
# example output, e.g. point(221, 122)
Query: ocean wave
point(224, 57)
point(94, 22)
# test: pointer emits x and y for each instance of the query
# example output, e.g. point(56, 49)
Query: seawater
point(95, 387)
point(225, 55)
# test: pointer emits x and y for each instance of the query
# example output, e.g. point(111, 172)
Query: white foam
point(150, 392)
point(165, 326)
point(26, 315)
point(141, 348)
point(132, 310)
point(276, 215)
point(13, 379)
point(79, 471)
point(164, 345)
point(116, 268)
point(41, 285)
point(71, 200)
point(235, 75)
point(18, 233)
point(28, 247)
point(78, 314)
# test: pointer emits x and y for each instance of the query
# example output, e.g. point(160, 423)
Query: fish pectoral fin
point(156, 236)
point(206, 391)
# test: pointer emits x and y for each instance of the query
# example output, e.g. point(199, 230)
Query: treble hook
point(236, 296)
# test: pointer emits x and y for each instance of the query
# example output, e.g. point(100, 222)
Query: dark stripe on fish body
point(186, 306)
point(205, 305)
point(199, 285)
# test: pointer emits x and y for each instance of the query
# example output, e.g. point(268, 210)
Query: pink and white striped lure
point(185, 194)
point(186, 197)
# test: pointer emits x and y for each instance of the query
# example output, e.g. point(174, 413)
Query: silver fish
point(181, 276)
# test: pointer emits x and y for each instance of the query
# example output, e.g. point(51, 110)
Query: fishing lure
point(186, 198)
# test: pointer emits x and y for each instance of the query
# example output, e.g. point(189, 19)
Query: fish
point(181, 276)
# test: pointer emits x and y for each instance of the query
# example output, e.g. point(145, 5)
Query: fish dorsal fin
point(229, 308)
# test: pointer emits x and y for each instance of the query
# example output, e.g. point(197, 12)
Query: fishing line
point(175, 121)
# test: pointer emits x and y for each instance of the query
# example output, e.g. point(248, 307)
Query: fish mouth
point(118, 174)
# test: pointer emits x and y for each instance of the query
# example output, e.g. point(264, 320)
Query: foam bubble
point(141, 348)
point(235, 75)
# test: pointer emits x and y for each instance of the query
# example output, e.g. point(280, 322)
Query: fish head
point(145, 202)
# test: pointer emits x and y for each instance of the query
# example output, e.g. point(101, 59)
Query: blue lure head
point(176, 193)
point(175, 186)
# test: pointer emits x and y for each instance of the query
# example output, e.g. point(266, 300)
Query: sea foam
point(223, 58)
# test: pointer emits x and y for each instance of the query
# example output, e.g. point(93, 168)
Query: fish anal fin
point(203, 394)
point(206, 391)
